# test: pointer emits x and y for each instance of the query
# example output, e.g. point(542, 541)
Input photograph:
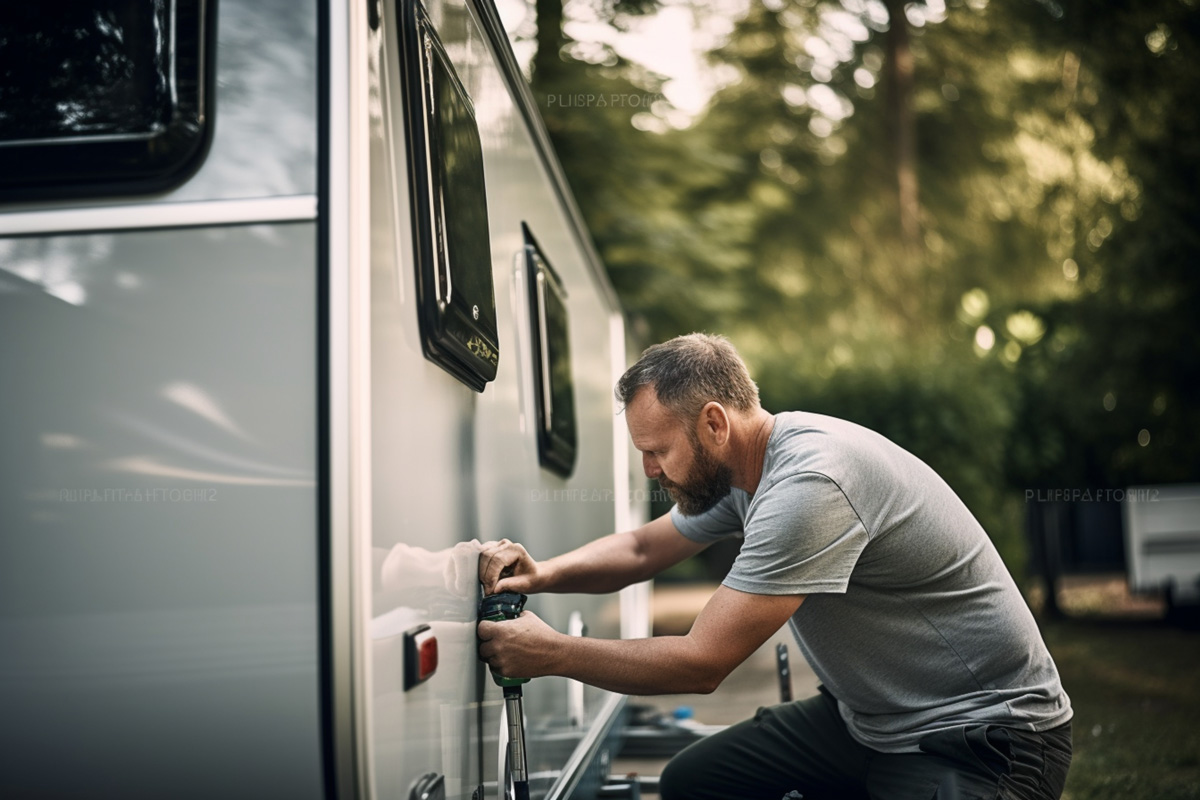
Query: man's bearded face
point(708, 483)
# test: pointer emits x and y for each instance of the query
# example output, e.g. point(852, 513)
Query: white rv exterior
point(1162, 541)
point(233, 486)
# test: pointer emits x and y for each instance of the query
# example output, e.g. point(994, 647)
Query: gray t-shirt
point(911, 621)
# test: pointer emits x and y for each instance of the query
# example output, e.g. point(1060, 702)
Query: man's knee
point(696, 773)
point(675, 781)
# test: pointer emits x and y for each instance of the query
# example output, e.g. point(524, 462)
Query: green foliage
point(1044, 335)
point(1118, 375)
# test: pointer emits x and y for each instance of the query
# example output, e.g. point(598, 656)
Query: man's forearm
point(659, 665)
point(605, 565)
point(730, 627)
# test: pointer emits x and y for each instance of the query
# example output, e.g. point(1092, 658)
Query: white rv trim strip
point(349, 389)
point(139, 216)
point(585, 753)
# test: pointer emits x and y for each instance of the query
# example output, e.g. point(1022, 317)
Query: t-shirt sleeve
point(803, 537)
point(721, 521)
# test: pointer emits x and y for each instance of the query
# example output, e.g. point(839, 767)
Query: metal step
point(631, 787)
point(654, 734)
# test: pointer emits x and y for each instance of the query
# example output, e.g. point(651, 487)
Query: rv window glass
point(468, 251)
point(554, 389)
point(102, 97)
point(453, 247)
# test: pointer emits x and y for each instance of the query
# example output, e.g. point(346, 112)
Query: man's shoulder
point(830, 462)
point(807, 486)
point(800, 423)
point(816, 443)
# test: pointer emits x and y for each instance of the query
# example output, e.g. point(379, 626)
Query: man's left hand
point(524, 647)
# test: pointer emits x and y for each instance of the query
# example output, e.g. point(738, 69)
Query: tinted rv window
point(101, 97)
point(453, 246)
point(555, 388)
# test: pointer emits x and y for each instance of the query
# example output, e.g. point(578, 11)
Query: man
point(936, 682)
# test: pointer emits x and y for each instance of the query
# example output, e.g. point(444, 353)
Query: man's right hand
point(603, 565)
point(505, 566)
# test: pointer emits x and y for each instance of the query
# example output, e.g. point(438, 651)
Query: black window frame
point(54, 168)
point(458, 333)
point(558, 444)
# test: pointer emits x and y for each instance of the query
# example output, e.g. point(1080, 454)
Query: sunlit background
point(973, 230)
point(971, 226)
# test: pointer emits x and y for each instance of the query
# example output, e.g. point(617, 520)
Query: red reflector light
point(420, 655)
point(427, 657)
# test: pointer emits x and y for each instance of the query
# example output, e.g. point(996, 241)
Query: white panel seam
point(144, 216)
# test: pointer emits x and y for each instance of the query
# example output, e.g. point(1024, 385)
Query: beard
point(711, 483)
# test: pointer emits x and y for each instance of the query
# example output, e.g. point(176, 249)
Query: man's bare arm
point(604, 565)
point(731, 626)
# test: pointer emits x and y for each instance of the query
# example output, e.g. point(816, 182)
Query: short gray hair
point(688, 372)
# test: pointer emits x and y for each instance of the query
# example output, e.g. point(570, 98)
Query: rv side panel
point(158, 562)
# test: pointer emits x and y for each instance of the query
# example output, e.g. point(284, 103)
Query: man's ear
point(713, 425)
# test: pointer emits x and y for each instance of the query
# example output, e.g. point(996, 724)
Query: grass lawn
point(1135, 687)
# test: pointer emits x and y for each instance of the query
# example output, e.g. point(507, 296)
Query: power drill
point(497, 608)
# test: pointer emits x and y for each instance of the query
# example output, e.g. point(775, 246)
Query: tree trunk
point(1051, 542)
point(547, 61)
point(898, 79)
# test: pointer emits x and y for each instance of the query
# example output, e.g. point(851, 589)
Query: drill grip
point(497, 608)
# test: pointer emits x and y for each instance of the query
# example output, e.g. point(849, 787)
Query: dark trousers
point(802, 749)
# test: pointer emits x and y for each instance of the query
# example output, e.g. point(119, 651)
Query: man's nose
point(650, 466)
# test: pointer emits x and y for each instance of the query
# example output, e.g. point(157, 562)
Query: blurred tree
point(1114, 385)
point(898, 82)
point(1024, 321)
point(628, 181)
